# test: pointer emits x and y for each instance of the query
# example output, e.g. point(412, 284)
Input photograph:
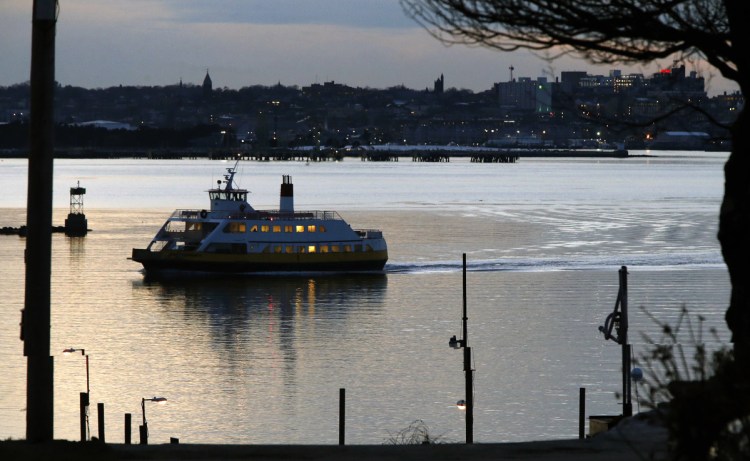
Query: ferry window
point(277, 228)
point(254, 228)
point(300, 229)
point(311, 248)
point(311, 228)
point(235, 227)
point(347, 248)
point(174, 226)
point(324, 248)
point(301, 250)
point(193, 226)
point(335, 249)
point(289, 249)
point(265, 228)
point(321, 228)
point(368, 248)
point(288, 228)
point(277, 249)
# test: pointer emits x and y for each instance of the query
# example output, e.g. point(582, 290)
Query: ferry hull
point(247, 263)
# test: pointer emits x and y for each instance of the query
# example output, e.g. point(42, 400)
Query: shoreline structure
point(378, 153)
point(635, 438)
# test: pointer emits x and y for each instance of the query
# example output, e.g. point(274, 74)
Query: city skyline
point(256, 42)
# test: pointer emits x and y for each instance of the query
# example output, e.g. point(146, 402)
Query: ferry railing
point(258, 214)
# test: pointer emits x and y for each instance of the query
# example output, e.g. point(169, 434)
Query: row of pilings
point(323, 154)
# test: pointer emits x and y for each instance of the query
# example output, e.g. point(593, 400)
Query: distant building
point(525, 94)
point(570, 81)
point(208, 86)
point(439, 86)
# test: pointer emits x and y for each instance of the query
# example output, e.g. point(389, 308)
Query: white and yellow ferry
point(232, 236)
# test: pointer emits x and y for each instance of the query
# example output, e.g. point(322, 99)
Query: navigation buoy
point(76, 224)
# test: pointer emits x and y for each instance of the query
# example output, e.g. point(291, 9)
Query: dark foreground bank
point(633, 439)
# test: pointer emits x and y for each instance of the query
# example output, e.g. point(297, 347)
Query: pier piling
point(84, 405)
point(342, 416)
point(582, 413)
point(128, 424)
point(100, 420)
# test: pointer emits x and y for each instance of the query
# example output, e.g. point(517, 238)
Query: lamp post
point(144, 427)
point(618, 321)
point(85, 397)
point(468, 403)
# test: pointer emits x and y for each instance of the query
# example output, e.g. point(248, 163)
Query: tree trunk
point(734, 235)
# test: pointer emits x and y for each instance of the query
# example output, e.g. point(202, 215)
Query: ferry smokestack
point(286, 200)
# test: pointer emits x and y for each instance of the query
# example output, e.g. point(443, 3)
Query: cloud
point(352, 13)
point(368, 43)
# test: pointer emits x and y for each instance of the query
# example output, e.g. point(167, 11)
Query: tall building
point(207, 85)
point(439, 86)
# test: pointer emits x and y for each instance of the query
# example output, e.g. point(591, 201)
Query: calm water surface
point(261, 359)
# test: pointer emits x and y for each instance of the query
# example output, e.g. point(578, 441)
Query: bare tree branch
point(602, 31)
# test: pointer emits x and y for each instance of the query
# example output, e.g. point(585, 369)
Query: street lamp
point(84, 398)
point(468, 403)
point(144, 427)
point(72, 350)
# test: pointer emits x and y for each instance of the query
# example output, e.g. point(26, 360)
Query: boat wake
point(688, 261)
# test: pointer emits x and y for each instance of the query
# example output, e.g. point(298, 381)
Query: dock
point(437, 154)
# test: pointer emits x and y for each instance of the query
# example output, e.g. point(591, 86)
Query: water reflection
point(267, 317)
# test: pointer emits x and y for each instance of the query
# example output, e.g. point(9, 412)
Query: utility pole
point(35, 319)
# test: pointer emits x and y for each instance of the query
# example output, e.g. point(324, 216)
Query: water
point(261, 359)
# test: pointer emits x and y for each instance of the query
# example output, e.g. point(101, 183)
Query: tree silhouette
point(629, 31)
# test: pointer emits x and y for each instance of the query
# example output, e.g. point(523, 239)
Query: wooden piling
point(100, 415)
point(582, 413)
point(128, 424)
point(342, 415)
point(84, 404)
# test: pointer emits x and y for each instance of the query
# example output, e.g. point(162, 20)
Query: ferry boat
point(233, 237)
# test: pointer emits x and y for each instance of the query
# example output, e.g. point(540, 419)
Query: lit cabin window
point(321, 228)
point(265, 228)
point(301, 250)
point(289, 248)
point(288, 228)
point(254, 228)
point(335, 249)
point(311, 228)
point(311, 248)
point(176, 226)
point(277, 228)
point(300, 229)
point(347, 248)
point(193, 226)
point(277, 249)
point(235, 227)
point(324, 248)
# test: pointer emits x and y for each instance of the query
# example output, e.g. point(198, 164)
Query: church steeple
point(207, 85)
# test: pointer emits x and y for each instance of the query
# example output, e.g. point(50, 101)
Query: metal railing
point(258, 214)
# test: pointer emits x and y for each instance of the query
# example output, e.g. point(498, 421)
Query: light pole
point(144, 427)
point(468, 403)
point(85, 397)
point(618, 321)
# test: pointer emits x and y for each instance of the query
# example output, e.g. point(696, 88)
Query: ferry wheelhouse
point(232, 236)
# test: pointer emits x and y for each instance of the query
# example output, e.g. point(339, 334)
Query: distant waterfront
point(260, 360)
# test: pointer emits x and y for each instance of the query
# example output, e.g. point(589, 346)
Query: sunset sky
point(365, 43)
